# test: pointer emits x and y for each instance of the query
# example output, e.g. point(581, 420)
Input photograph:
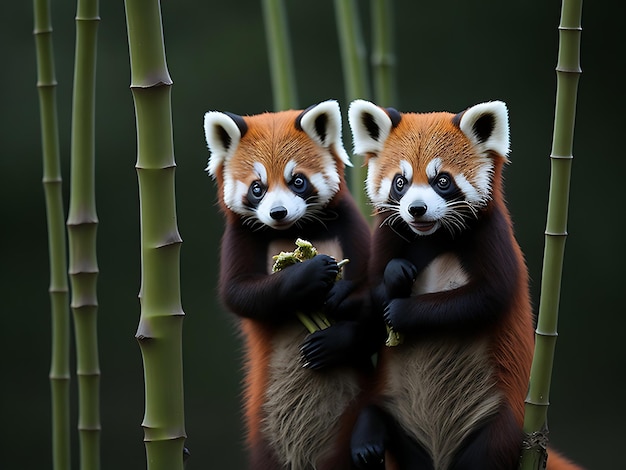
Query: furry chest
point(439, 391)
point(303, 408)
point(442, 274)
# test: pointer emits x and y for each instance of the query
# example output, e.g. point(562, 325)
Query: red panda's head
point(431, 170)
point(277, 169)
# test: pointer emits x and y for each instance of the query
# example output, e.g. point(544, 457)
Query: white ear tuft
point(486, 125)
point(370, 126)
point(222, 137)
point(322, 122)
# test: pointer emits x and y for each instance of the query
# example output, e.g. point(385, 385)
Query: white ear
point(322, 123)
point(222, 137)
point(370, 126)
point(486, 125)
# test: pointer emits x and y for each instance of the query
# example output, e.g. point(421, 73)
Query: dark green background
point(450, 55)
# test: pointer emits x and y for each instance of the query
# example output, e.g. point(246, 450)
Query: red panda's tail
point(557, 462)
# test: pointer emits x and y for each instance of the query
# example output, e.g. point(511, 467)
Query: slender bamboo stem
point(52, 182)
point(160, 326)
point(383, 57)
point(568, 72)
point(279, 51)
point(354, 60)
point(82, 223)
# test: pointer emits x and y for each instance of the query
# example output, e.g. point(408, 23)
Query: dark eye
point(399, 187)
point(443, 182)
point(299, 184)
point(256, 191)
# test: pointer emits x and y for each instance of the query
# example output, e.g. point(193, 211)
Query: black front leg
point(376, 436)
point(370, 438)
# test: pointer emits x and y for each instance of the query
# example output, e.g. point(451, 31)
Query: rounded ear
point(486, 125)
point(370, 126)
point(222, 131)
point(322, 123)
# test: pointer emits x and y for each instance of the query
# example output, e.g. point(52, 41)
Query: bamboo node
point(555, 234)
point(536, 440)
point(562, 157)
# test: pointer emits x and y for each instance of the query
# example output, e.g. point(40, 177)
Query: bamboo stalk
point(354, 63)
point(160, 325)
point(52, 183)
point(82, 223)
point(568, 72)
point(279, 50)
point(383, 57)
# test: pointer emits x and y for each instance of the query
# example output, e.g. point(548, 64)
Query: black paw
point(333, 346)
point(395, 315)
point(310, 280)
point(368, 440)
point(369, 456)
point(399, 277)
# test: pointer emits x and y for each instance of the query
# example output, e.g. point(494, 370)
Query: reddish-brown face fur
point(419, 138)
point(273, 140)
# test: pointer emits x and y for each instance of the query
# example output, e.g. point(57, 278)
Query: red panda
point(279, 178)
point(448, 275)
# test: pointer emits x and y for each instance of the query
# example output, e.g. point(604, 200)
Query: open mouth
point(423, 226)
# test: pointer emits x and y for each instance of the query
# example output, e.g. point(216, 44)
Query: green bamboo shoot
point(383, 57)
point(82, 223)
point(279, 51)
point(354, 61)
point(160, 325)
point(52, 183)
point(568, 72)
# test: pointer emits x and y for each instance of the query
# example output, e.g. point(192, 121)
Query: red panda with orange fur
point(449, 276)
point(280, 177)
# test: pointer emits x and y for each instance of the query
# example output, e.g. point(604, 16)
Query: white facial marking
point(280, 197)
point(289, 171)
point(261, 172)
point(471, 194)
point(435, 209)
point(433, 168)
point(407, 169)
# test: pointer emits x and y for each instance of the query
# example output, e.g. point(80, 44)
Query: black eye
point(443, 182)
point(299, 184)
point(399, 187)
point(445, 186)
point(256, 191)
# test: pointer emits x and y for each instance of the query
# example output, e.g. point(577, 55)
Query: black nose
point(417, 209)
point(278, 213)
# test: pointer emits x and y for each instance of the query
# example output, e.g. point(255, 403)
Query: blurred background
point(450, 55)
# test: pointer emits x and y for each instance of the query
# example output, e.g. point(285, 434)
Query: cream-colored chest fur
point(440, 388)
point(303, 408)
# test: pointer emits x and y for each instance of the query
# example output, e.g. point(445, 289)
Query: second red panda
point(449, 276)
point(280, 177)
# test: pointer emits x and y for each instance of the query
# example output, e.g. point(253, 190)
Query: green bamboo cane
point(279, 51)
point(52, 183)
point(82, 223)
point(568, 72)
point(383, 57)
point(160, 326)
point(354, 60)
